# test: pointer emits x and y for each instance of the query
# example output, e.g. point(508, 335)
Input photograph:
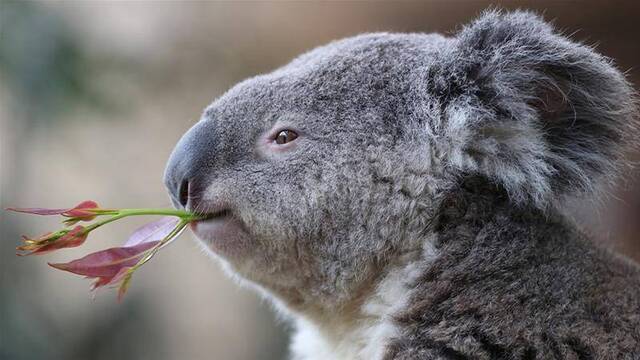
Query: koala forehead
point(361, 84)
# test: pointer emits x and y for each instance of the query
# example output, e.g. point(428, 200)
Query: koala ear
point(532, 110)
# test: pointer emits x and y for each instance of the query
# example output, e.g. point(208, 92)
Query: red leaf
point(156, 230)
point(47, 237)
point(106, 263)
point(82, 211)
point(53, 241)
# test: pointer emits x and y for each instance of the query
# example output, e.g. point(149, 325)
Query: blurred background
point(93, 97)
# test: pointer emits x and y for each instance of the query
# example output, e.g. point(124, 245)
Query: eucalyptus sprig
point(113, 266)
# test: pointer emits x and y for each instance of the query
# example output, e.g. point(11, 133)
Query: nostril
point(184, 193)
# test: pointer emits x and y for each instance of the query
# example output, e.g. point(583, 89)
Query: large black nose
point(190, 165)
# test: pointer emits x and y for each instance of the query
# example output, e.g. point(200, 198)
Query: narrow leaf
point(80, 210)
point(106, 263)
point(38, 211)
point(153, 231)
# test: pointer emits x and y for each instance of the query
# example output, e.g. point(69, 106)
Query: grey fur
point(463, 144)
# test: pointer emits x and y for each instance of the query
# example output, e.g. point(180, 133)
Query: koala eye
point(285, 136)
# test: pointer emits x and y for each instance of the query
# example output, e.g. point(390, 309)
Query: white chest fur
point(365, 337)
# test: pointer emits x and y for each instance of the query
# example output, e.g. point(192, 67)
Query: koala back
point(516, 283)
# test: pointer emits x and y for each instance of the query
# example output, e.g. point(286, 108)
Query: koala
point(399, 196)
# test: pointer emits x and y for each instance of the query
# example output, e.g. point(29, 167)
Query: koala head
point(320, 174)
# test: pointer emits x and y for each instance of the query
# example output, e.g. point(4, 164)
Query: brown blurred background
point(93, 97)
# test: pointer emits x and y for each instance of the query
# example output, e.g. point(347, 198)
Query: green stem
point(186, 216)
point(170, 212)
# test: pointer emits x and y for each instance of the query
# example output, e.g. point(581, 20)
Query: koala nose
point(180, 194)
point(176, 179)
point(190, 164)
point(183, 193)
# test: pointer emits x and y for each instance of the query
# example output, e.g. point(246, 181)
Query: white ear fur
point(539, 114)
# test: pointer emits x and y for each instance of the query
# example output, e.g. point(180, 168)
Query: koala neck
point(367, 325)
point(362, 328)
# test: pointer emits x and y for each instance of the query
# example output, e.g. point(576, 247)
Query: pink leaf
point(106, 263)
point(153, 231)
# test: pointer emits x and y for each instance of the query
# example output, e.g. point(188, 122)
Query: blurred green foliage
point(42, 63)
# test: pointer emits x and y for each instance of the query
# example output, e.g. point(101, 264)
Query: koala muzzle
point(186, 174)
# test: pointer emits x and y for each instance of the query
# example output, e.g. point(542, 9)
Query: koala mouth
point(222, 232)
point(217, 214)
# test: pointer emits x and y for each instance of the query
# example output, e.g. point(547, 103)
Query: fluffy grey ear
point(532, 110)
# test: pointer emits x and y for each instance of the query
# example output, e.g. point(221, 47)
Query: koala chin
point(398, 195)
